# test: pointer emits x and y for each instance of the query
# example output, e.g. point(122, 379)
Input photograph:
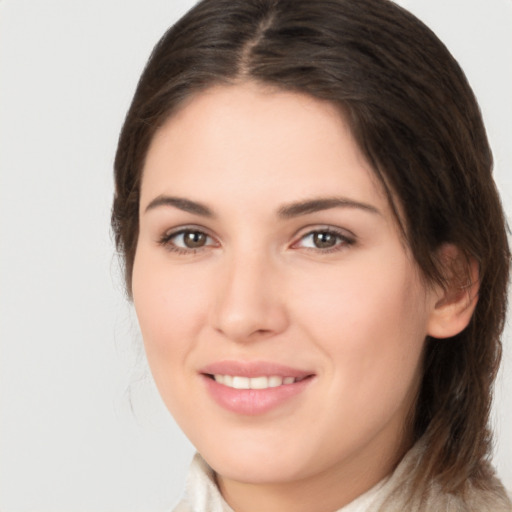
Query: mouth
point(254, 388)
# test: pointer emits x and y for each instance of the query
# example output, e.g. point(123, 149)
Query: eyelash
point(343, 241)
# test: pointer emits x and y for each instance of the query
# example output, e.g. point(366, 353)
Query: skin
point(355, 314)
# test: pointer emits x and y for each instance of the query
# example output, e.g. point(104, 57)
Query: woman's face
point(268, 258)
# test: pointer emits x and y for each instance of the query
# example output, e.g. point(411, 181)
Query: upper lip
point(253, 369)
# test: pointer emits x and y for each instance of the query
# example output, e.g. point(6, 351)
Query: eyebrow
point(324, 203)
point(288, 211)
point(182, 204)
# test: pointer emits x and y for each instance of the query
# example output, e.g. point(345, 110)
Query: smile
point(255, 387)
point(241, 382)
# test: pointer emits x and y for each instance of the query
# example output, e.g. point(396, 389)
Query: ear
point(456, 301)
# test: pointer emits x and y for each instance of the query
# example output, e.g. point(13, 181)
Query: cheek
point(170, 306)
point(370, 322)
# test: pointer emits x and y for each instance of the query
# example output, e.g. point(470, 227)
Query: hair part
point(415, 118)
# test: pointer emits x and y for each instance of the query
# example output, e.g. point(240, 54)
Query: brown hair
point(417, 121)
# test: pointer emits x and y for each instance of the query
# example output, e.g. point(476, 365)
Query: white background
point(81, 426)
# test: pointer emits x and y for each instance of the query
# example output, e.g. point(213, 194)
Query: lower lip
point(252, 402)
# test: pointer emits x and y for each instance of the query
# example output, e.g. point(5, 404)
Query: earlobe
point(454, 303)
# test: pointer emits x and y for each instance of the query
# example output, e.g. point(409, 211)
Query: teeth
point(258, 382)
point(273, 382)
point(238, 382)
point(241, 383)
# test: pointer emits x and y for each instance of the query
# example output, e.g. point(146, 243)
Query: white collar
point(202, 493)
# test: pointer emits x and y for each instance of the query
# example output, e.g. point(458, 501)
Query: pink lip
point(253, 401)
point(253, 369)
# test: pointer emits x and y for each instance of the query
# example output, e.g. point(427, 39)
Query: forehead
point(257, 141)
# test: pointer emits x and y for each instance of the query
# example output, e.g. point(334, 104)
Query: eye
point(324, 240)
point(187, 240)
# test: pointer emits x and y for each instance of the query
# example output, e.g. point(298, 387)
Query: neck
point(329, 490)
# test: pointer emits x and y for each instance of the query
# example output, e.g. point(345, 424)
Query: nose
point(250, 302)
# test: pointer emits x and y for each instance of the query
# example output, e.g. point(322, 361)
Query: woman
point(317, 256)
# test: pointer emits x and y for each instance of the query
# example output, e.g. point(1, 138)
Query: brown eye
point(324, 239)
point(194, 239)
point(187, 240)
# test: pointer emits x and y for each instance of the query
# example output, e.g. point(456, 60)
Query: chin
point(252, 459)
